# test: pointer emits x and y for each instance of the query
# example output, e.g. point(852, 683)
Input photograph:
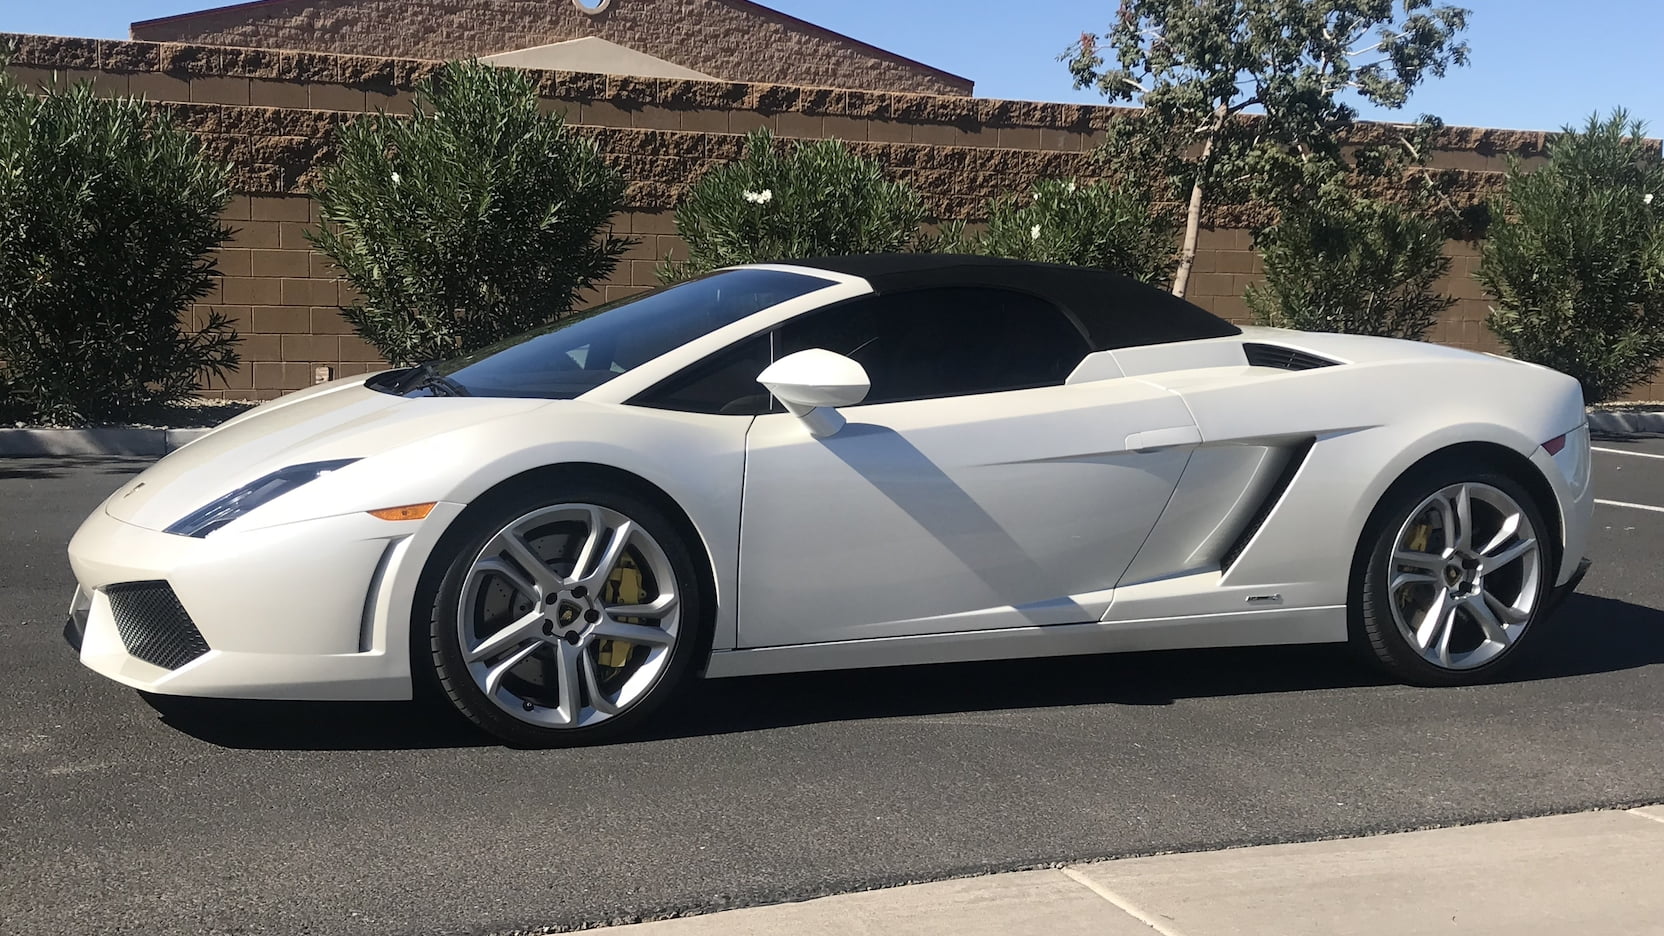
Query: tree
point(477, 219)
point(805, 199)
point(108, 219)
point(1354, 264)
point(1357, 246)
point(1104, 224)
point(1199, 66)
point(1575, 257)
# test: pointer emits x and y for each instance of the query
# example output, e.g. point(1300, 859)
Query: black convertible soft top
point(1115, 311)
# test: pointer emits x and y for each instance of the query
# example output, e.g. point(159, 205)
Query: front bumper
point(75, 629)
point(315, 610)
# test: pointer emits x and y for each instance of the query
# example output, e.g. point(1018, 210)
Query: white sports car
point(853, 462)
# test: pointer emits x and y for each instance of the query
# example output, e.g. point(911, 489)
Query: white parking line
point(1623, 452)
point(1630, 506)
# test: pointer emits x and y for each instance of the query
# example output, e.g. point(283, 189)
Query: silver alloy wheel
point(542, 626)
point(1464, 576)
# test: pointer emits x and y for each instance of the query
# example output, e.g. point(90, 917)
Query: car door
point(972, 490)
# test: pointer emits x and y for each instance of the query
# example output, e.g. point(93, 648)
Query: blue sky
point(1537, 64)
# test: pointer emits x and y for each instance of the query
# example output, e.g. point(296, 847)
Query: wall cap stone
point(391, 75)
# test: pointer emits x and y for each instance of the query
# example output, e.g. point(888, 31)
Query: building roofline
point(886, 53)
point(750, 4)
point(193, 14)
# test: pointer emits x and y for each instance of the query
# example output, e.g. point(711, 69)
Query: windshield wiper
point(425, 377)
point(442, 386)
point(408, 379)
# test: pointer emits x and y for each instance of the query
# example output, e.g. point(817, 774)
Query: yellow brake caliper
point(624, 587)
point(1419, 535)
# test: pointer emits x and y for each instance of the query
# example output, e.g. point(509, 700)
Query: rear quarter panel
point(1372, 419)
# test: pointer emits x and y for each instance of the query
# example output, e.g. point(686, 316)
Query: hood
point(343, 419)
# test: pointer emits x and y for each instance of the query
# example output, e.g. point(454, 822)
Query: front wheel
point(1457, 576)
point(566, 620)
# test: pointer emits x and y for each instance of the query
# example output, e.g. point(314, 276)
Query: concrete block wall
point(273, 115)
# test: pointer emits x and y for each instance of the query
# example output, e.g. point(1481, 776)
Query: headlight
point(202, 522)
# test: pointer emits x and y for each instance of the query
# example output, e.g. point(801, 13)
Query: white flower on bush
point(1034, 232)
point(395, 178)
point(1071, 188)
point(760, 198)
point(1647, 200)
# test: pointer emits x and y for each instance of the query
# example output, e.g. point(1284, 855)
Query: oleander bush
point(791, 201)
point(108, 216)
point(1102, 224)
point(1574, 257)
point(1347, 262)
point(476, 219)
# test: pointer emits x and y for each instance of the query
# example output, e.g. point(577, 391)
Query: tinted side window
point(725, 382)
point(944, 342)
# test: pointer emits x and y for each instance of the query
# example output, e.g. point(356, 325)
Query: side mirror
point(812, 383)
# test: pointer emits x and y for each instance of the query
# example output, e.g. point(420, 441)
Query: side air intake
point(1297, 457)
point(1269, 355)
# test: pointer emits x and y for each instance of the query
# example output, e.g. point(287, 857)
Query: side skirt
point(1236, 629)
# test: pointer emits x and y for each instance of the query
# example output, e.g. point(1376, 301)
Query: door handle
point(1152, 439)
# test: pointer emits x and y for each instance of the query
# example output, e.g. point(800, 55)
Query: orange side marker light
point(407, 512)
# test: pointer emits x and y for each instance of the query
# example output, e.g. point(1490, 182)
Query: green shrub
point(807, 199)
point(1575, 258)
point(1346, 262)
point(477, 219)
point(1102, 224)
point(107, 217)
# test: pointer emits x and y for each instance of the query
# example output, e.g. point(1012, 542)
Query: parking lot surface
point(117, 817)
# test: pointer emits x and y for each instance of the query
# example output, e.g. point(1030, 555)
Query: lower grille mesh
point(153, 624)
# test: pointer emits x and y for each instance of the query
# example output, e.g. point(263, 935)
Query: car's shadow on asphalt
point(47, 468)
point(316, 726)
point(1589, 635)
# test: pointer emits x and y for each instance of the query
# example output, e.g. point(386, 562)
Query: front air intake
point(1282, 358)
point(153, 624)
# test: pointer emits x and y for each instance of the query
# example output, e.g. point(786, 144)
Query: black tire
point(437, 642)
point(1375, 628)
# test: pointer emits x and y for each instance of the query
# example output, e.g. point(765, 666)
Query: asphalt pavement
point(334, 819)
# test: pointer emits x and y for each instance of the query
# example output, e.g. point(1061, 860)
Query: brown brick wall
point(273, 115)
point(733, 40)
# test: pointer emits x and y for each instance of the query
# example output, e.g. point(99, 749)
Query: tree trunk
point(1192, 232)
point(1193, 217)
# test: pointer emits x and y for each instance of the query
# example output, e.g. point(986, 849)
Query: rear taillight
point(1554, 445)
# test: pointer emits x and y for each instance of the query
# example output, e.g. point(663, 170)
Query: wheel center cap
point(567, 614)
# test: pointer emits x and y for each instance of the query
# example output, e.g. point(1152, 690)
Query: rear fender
point(1308, 541)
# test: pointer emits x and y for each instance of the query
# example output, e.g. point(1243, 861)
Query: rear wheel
point(1457, 576)
point(566, 620)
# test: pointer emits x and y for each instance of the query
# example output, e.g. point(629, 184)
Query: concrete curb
point(24, 443)
point(1380, 885)
point(1607, 422)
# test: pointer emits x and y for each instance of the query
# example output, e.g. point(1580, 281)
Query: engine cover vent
point(1269, 355)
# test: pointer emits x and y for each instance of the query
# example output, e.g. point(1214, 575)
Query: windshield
point(577, 354)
